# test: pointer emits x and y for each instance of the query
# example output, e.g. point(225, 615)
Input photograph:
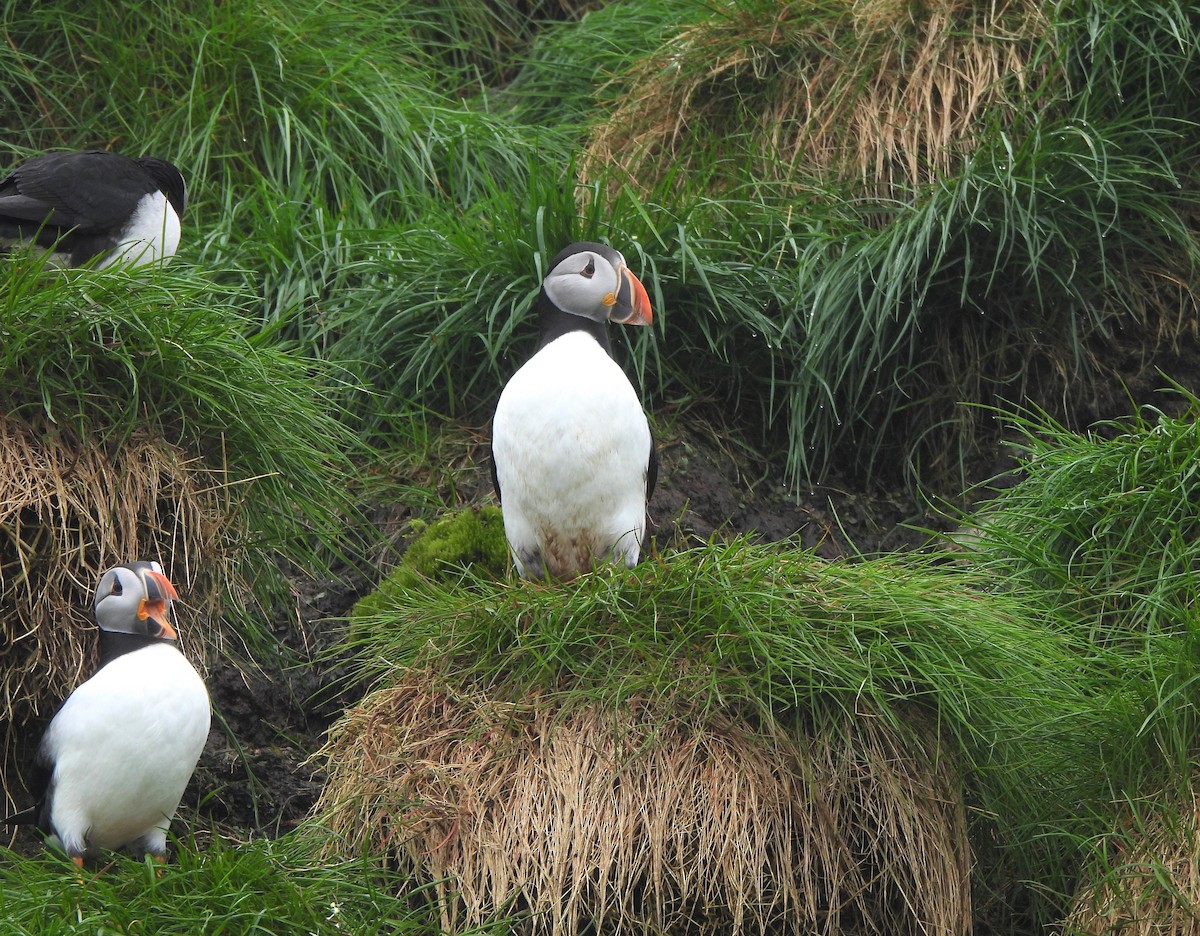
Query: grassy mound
point(1103, 529)
point(140, 422)
point(874, 94)
point(609, 693)
point(649, 818)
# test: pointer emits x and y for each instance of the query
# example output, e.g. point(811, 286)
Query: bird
point(117, 756)
point(94, 206)
point(573, 457)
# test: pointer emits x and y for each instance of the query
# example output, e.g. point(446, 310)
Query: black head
point(593, 281)
point(135, 598)
point(169, 179)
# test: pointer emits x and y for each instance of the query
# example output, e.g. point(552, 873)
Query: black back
point(81, 202)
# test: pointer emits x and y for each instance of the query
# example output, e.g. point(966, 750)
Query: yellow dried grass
point(1150, 884)
point(70, 508)
point(648, 820)
point(887, 95)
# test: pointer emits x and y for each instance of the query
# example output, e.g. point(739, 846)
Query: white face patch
point(585, 284)
point(152, 234)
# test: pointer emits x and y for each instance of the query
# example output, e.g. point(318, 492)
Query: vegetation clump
point(140, 420)
point(886, 688)
point(442, 551)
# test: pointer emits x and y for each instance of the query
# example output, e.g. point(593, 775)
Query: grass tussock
point(1145, 876)
point(879, 93)
point(71, 508)
point(647, 819)
point(1102, 528)
point(140, 421)
point(756, 642)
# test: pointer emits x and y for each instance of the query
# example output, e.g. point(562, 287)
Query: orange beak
point(633, 304)
point(159, 591)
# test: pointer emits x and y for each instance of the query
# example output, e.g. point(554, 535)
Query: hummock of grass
point(877, 92)
point(1144, 879)
point(489, 692)
point(141, 423)
point(645, 819)
point(1103, 529)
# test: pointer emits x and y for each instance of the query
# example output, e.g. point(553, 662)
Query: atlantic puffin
point(94, 206)
point(117, 756)
point(573, 457)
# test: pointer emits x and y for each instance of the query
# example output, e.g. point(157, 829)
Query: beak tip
point(642, 312)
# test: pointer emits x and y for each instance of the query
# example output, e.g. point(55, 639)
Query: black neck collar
point(114, 644)
point(555, 323)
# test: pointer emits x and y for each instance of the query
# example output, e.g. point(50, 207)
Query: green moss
point(470, 537)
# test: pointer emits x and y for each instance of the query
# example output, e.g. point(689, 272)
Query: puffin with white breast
point(117, 756)
point(573, 457)
point(94, 206)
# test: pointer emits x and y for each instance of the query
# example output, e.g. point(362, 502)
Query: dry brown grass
point(880, 93)
point(1151, 874)
point(70, 508)
point(648, 820)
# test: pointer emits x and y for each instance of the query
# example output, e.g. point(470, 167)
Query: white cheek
point(580, 295)
point(153, 234)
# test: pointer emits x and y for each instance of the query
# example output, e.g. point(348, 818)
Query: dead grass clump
point(648, 819)
point(1147, 883)
point(72, 507)
point(883, 94)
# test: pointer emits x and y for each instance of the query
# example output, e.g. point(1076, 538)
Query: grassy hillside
point(876, 235)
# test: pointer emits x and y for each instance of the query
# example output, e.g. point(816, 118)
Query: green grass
point(374, 191)
point(211, 886)
point(755, 629)
point(386, 180)
point(171, 352)
point(1102, 529)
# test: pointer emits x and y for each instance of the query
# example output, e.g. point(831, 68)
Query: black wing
point(652, 467)
point(495, 476)
point(41, 785)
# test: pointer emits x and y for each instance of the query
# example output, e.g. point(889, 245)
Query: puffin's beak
point(159, 591)
point(633, 305)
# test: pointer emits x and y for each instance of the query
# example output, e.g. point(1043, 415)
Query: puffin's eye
point(590, 270)
point(116, 586)
point(153, 628)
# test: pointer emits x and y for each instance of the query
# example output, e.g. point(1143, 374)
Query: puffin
point(573, 458)
point(94, 207)
point(115, 759)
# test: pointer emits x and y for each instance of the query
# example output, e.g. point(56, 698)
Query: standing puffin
point(573, 459)
point(119, 753)
point(95, 204)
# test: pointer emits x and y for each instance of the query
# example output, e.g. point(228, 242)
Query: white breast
point(152, 234)
point(571, 445)
point(124, 746)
